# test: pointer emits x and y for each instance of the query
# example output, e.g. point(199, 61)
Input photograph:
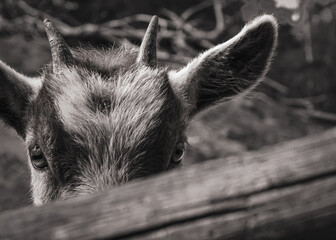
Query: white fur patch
point(74, 101)
point(135, 97)
point(35, 84)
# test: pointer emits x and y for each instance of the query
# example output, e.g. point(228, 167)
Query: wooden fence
point(287, 191)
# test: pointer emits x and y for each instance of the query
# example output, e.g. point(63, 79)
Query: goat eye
point(178, 153)
point(37, 158)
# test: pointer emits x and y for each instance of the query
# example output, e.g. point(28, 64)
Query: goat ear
point(227, 69)
point(16, 93)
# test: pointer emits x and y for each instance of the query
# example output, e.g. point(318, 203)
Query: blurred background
point(297, 98)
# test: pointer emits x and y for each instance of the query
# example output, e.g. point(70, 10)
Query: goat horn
point(147, 52)
point(60, 51)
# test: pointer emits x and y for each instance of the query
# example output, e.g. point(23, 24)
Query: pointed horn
point(147, 52)
point(60, 51)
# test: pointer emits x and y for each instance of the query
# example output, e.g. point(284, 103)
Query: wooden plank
point(283, 192)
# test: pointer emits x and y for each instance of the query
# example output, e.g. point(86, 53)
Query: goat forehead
point(140, 107)
point(87, 98)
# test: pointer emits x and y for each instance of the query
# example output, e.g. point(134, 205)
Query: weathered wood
point(287, 191)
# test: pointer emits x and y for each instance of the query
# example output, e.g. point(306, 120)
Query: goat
point(95, 119)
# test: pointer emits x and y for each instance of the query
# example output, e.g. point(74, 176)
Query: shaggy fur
point(90, 147)
point(104, 118)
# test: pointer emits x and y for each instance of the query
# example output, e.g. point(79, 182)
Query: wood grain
point(287, 191)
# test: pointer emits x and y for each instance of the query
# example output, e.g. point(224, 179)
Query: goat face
point(96, 119)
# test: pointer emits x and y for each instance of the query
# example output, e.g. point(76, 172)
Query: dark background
point(296, 99)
